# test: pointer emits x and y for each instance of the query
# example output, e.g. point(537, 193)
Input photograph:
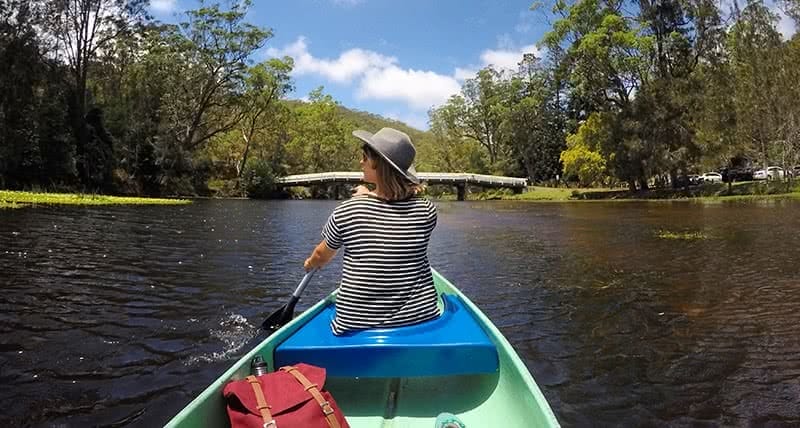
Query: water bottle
point(258, 367)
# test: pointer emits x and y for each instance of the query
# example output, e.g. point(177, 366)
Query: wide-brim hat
point(394, 147)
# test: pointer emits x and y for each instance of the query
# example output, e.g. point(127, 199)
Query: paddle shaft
point(303, 284)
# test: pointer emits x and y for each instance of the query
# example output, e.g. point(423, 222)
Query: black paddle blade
point(274, 320)
point(280, 317)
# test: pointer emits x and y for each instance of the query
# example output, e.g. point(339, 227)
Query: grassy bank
point(752, 190)
point(13, 199)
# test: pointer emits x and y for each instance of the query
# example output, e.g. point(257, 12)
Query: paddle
point(285, 314)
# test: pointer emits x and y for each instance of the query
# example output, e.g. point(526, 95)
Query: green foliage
point(259, 179)
point(81, 199)
point(683, 236)
point(582, 158)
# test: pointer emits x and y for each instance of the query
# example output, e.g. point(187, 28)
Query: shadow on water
point(118, 316)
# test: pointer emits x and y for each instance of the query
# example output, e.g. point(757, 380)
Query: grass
point(13, 199)
point(538, 193)
point(683, 236)
point(744, 191)
point(10, 205)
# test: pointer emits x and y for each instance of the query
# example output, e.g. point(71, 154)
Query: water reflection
point(120, 315)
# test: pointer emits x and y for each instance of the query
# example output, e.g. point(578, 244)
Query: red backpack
point(292, 397)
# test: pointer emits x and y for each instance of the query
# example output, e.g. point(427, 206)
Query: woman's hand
point(361, 190)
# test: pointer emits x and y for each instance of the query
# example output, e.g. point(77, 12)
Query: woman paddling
point(386, 277)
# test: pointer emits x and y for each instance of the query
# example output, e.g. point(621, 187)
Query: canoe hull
point(508, 398)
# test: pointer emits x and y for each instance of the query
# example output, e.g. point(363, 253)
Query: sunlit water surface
point(114, 316)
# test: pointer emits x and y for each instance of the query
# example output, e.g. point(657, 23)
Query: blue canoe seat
point(453, 344)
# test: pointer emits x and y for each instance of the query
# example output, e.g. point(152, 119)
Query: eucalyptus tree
point(450, 151)
point(35, 145)
point(788, 106)
point(755, 48)
point(477, 114)
point(320, 137)
point(605, 63)
point(265, 84)
point(535, 122)
point(79, 30)
point(210, 52)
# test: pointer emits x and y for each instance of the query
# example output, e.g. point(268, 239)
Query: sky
point(395, 58)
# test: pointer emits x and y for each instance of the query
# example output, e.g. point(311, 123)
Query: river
point(118, 316)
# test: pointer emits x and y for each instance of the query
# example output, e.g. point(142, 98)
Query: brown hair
point(396, 186)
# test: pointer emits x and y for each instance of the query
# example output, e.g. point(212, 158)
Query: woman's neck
point(379, 191)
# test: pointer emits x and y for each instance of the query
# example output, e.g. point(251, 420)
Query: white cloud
point(502, 59)
point(416, 120)
point(379, 76)
point(506, 59)
point(347, 2)
point(786, 26)
point(465, 73)
point(163, 6)
point(419, 89)
point(350, 65)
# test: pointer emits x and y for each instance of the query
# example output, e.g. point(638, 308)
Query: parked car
point(796, 171)
point(760, 174)
point(775, 173)
point(711, 177)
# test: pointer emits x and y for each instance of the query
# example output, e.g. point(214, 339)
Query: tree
point(209, 53)
point(321, 138)
point(265, 84)
point(583, 158)
point(535, 122)
point(82, 28)
point(450, 151)
point(755, 49)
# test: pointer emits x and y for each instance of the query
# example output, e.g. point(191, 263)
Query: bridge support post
point(462, 191)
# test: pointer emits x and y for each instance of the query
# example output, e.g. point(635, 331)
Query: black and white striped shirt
point(386, 277)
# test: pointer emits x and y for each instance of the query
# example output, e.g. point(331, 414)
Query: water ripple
point(115, 316)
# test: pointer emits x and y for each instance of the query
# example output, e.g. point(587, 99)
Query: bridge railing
point(430, 177)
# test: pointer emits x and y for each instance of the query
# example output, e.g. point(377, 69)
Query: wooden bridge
point(459, 180)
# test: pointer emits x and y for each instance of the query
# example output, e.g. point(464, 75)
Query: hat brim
point(410, 174)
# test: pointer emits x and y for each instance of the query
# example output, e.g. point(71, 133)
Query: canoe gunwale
point(204, 409)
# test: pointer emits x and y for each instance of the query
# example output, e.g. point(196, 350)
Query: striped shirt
point(386, 277)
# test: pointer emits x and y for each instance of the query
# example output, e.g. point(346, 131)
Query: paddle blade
point(274, 320)
point(280, 317)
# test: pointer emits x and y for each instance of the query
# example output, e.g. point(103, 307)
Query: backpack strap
point(263, 408)
point(313, 389)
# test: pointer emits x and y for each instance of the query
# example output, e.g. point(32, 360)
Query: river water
point(118, 316)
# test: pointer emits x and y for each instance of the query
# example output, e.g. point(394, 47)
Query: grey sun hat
point(395, 147)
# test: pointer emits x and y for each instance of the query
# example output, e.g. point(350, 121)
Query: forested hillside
point(98, 97)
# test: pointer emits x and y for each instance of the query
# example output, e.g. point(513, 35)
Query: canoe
point(459, 363)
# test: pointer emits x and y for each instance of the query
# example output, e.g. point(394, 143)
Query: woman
point(386, 277)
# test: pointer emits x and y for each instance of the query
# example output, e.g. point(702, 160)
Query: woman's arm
point(321, 255)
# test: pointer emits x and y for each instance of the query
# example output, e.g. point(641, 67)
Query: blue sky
point(395, 58)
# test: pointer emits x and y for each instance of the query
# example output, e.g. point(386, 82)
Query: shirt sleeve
point(432, 215)
point(331, 233)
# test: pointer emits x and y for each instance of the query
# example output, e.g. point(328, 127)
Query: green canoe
point(459, 364)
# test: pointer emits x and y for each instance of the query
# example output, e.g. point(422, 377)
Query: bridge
point(457, 179)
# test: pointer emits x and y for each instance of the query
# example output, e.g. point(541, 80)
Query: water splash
point(235, 332)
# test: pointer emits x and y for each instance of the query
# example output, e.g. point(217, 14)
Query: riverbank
point(738, 191)
point(15, 199)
